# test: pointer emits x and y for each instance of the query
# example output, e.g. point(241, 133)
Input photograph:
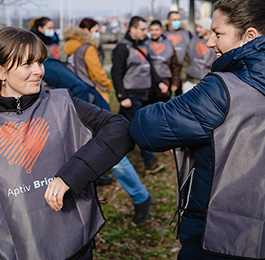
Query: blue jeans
point(129, 113)
point(129, 180)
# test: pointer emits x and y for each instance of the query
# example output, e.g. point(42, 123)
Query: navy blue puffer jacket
point(189, 120)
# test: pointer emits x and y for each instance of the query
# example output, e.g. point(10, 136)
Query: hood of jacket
point(77, 37)
point(246, 62)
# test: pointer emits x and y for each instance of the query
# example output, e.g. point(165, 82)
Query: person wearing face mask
point(44, 28)
point(180, 39)
point(165, 61)
point(81, 48)
point(222, 121)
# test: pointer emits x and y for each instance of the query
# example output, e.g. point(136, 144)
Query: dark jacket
point(52, 44)
point(59, 75)
point(118, 70)
point(84, 166)
point(189, 120)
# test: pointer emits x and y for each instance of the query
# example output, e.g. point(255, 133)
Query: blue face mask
point(49, 33)
point(149, 35)
point(96, 34)
point(176, 25)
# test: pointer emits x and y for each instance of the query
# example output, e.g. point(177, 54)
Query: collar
point(11, 104)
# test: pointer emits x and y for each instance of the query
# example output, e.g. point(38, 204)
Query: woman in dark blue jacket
point(221, 121)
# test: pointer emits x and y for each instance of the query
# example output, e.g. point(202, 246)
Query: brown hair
point(88, 23)
point(243, 14)
point(134, 22)
point(172, 12)
point(14, 44)
point(40, 22)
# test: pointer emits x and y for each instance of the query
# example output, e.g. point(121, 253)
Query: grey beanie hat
point(205, 22)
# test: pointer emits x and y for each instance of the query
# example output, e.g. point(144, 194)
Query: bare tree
point(17, 2)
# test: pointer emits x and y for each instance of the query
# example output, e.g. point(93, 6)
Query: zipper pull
point(19, 111)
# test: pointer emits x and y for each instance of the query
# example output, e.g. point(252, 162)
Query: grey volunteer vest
point(235, 216)
point(161, 53)
point(181, 41)
point(138, 69)
point(201, 58)
point(80, 68)
point(34, 146)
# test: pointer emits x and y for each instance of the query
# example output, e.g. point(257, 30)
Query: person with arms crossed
point(180, 39)
point(165, 61)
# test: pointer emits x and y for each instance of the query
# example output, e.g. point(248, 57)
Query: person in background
point(181, 41)
point(132, 75)
point(83, 54)
point(201, 57)
point(82, 50)
point(44, 28)
point(165, 61)
point(222, 121)
point(54, 147)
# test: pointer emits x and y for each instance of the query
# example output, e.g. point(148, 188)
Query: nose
point(38, 69)
point(211, 43)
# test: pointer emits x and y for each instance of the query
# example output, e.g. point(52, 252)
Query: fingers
point(174, 88)
point(126, 103)
point(54, 194)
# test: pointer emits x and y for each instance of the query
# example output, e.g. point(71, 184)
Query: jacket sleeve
point(186, 120)
point(110, 143)
point(95, 68)
point(118, 70)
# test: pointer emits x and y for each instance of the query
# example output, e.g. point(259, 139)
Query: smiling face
point(24, 79)
point(224, 36)
point(155, 31)
point(202, 32)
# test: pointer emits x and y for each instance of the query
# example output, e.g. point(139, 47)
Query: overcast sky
point(94, 8)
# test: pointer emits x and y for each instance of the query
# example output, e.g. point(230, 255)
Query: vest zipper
point(19, 111)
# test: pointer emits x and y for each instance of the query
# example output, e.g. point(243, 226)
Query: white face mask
point(241, 44)
point(96, 34)
point(49, 33)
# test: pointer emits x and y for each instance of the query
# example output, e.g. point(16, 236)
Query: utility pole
point(61, 23)
point(174, 5)
point(153, 9)
point(192, 16)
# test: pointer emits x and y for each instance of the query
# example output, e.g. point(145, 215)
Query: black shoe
point(142, 210)
point(104, 180)
point(153, 167)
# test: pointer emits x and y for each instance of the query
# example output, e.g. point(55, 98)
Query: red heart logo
point(22, 143)
point(201, 49)
point(175, 38)
point(157, 47)
point(141, 54)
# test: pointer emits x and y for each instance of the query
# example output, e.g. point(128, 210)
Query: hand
point(174, 88)
point(163, 87)
point(55, 192)
point(126, 103)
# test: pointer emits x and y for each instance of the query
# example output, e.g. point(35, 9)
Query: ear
point(251, 34)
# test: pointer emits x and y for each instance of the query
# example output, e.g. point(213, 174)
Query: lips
point(35, 81)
